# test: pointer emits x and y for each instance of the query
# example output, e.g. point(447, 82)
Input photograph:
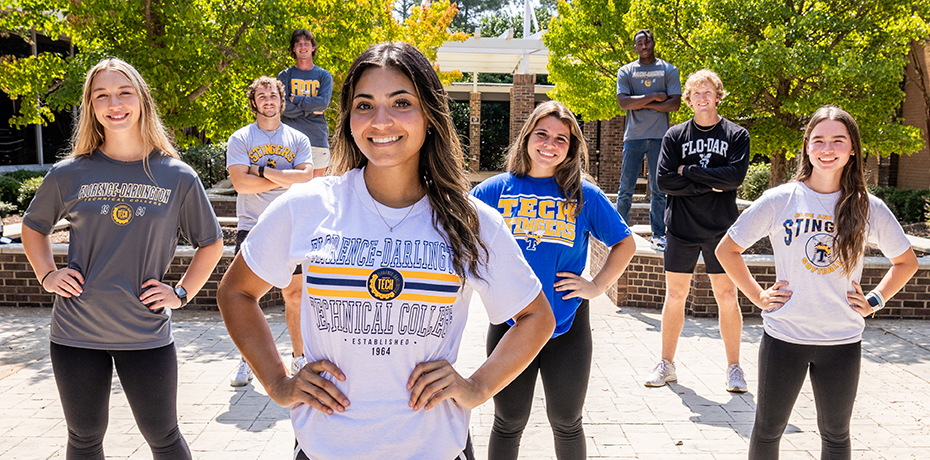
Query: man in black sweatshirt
point(701, 164)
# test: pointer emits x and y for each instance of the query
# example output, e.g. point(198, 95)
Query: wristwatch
point(181, 293)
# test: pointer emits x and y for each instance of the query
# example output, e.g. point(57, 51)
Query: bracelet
point(46, 276)
point(261, 171)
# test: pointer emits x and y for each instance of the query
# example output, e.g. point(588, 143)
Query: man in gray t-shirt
point(648, 89)
point(264, 159)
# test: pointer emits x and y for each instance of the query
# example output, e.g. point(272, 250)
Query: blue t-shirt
point(551, 237)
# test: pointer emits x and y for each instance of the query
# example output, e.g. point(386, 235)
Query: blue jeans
point(633, 152)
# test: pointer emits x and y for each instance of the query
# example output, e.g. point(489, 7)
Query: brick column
point(611, 151)
point(522, 101)
point(474, 132)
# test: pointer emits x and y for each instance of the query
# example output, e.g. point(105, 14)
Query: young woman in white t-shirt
point(813, 316)
point(392, 247)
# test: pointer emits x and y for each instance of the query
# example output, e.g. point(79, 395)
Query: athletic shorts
point(320, 157)
point(682, 256)
point(240, 237)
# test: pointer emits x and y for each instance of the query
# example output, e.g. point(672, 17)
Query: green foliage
point(199, 57)
point(588, 42)
point(756, 182)
point(780, 60)
point(27, 191)
point(8, 209)
point(11, 184)
point(23, 174)
point(9, 188)
point(209, 160)
point(908, 205)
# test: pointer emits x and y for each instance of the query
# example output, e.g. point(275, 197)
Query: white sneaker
point(658, 243)
point(242, 376)
point(297, 363)
point(736, 382)
point(663, 372)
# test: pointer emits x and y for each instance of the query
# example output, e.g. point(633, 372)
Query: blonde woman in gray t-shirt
point(127, 197)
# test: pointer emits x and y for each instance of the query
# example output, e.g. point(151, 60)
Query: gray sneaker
point(242, 376)
point(297, 363)
point(664, 372)
point(658, 243)
point(736, 382)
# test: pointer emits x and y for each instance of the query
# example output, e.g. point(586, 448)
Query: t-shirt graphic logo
point(385, 284)
point(122, 214)
point(533, 240)
point(819, 250)
point(647, 83)
point(705, 159)
point(272, 164)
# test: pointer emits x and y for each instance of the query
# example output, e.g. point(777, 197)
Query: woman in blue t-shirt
point(552, 210)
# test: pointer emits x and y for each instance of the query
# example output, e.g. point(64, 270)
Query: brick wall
point(223, 206)
point(522, 101)
point(20, 288)
point(643, 285)
point(474, 132)
point(913, 169)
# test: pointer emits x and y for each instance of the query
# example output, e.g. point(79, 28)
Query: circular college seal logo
point(385, 284)
point(819, 250)
point(122, 214)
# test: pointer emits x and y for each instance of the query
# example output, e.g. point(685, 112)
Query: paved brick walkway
point(694, 419)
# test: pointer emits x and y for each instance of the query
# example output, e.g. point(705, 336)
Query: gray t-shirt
point(311, 90)
point(636, 80)
point(124, 231)
point(283, 149)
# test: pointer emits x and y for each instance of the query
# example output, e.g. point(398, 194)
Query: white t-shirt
point(377, 303)
point(283, 149)
point(800, 224)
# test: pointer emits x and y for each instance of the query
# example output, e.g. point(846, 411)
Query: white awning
point(503, 54)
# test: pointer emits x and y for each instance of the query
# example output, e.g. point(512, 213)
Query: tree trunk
point(778, 170)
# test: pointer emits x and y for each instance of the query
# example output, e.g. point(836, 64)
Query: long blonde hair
point(571, 171)
point(88, 133)
point(852, 207)
point(445, 183)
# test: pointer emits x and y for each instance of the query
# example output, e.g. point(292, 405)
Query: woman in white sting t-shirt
point(392, 249)
point(819, 224)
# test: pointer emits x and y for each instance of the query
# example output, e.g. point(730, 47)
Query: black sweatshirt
point(717, 159)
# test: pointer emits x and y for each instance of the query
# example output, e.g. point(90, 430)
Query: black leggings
point(564, 364)
point(150, 381)
point(834, 373)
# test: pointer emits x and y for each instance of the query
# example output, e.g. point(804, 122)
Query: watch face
point(873, 300)
point(180, 291)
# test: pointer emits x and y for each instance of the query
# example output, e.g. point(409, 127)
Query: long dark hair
point(440, 173)
point(852, 207)
point(570, 172)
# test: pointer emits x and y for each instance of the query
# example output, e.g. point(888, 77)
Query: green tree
point(779, 59)
point(199, 56)
point(588, 41)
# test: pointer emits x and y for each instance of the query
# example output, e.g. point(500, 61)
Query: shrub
point(7, 209)
point(27, 191)
point(756, 182)
point(9, 189)
point(23, 174)
point(908, 205)
point(209, 160)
